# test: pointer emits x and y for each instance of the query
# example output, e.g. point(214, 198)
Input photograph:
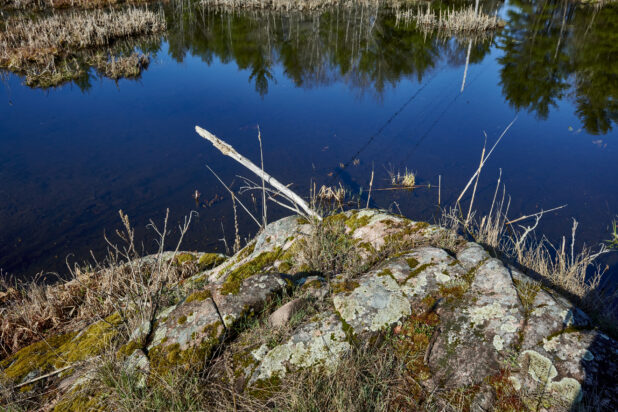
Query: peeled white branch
point(228, 150)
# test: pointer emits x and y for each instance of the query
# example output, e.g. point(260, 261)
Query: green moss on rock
point(61, 350)
point(199, 296)
point(210, 260)
point(417, 271)
point(345, 286)
point(234, 279)
point(163, 358)
point(412, 263)
point(185, 258)
point(355, 221)
point(80, 400)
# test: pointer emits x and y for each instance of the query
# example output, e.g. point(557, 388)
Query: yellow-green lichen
point(62, 350)
point(412, 263)
point(199, 296)
point(182, 320)
point(185, 258)
point(210, 260)
point(165, 357)
point(345, 286)
point(80, 400)
point(355, 221)
point(234, 279)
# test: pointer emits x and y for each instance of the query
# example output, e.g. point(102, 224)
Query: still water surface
point(336, 93)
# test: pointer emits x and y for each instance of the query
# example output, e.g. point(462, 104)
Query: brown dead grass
point(124, 283)
point(24, 40)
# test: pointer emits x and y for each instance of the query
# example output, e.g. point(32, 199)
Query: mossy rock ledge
point(461, 316)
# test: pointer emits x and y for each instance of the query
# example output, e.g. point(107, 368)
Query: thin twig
point(264, 219)
point(56, 372)
point(463, 192)
point(510, 222)
point(370, 187)
point(439, 188)
point(232, 193)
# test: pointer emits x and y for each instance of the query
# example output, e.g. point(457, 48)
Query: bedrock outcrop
point(468, 320)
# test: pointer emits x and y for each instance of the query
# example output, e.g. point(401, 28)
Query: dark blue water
point(325, 89)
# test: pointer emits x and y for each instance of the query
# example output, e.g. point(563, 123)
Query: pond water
point(336, 93)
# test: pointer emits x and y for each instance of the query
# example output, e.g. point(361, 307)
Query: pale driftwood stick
point(228, 150)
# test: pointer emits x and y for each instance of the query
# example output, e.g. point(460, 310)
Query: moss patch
point(199, 296)
point(412, 263)
point(414, 273)
point(345, 286)
point(163, 358)
point(412, 340)
point(507, 398)
point(62, 350)
point(210, 260)
point(237, 276)
point(184, 258)
point(355, 221)
point(80, 400)
point(454, 289)
point(129, 348)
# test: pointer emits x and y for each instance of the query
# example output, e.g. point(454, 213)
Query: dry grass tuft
point(330, 250)
point(575, 273)
point(613, 241)
point(404, 180)
point(118, 67)
point(451, 21)
point(332, 194)
point(124, 283)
